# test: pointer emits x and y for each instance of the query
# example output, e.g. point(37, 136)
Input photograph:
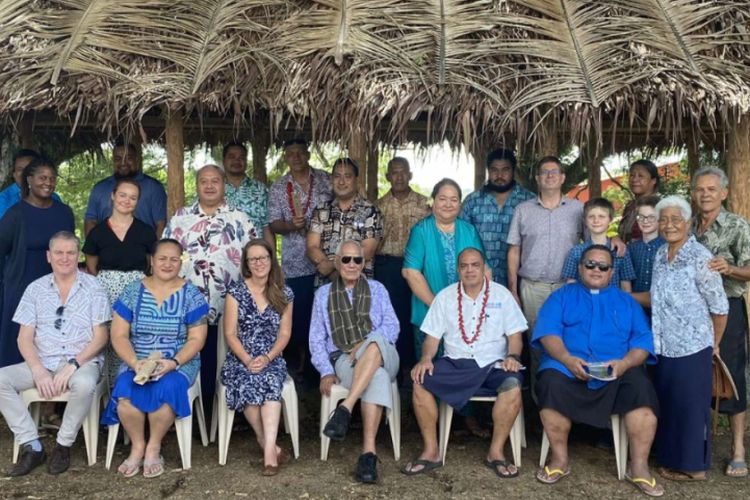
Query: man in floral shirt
point(291, 203)
point(212, 235)
point(348, 216)
point(244, 193)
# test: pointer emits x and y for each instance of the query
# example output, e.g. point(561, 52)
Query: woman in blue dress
point(25, 231)
point(257, 327)
point(164, 313)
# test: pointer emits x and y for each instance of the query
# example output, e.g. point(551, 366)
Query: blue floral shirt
point(684, 294)
point(251, 196)
point(493, 222)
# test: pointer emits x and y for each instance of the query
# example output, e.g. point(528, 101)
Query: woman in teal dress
point(161, 313)
point(431, 255)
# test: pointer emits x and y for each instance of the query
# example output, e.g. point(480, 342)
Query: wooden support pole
point(259, 145)
point(692, 143)
point(26, 132)
point(357, 148)
point(175, 159)
point(738, 161)
point(593, 157)
point(373, 156)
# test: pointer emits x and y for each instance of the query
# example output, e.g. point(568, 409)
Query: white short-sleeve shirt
point(502, 318)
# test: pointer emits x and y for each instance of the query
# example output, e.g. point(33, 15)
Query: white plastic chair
point(183, 428)
point(517, 432)
point(620, 437)
point(339, 393)
point(289, 409)
point(90, 424)
point(216, 404)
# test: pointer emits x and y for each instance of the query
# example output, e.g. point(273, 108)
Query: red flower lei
point(474, 338)
point(290, 194)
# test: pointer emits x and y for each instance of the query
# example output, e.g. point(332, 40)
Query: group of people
point(458, 298)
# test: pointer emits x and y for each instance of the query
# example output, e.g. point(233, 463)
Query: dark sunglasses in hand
point(592, 264)
point(348, 258)
point(59, 321)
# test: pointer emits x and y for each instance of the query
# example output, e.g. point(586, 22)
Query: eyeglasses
point(549, 173)
point(59, 321)
point(645, 218)
point(593, 264)
point(348, 258)
point(259, 260)
point(675, 221)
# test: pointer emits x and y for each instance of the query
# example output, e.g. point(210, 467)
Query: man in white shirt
point(63, 318)
point(479, 322)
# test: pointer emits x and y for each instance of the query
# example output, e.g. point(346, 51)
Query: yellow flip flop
point(551, 476)
point(646, 486)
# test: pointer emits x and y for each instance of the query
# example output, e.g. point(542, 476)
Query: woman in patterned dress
point(257, 328)
point(116, 252)
point(161, 313)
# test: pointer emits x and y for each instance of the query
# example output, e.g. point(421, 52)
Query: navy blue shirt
point(595, 325)
point(152, 204)
point(642, 255)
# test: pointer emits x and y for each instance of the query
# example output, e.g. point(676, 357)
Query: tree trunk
point(175, 159)
point(259, 146)
point(548, 141)
point(372, 171)
point(738, 161)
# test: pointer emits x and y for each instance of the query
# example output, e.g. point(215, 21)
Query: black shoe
point(28, 461)
point(367, 468)
point(338, 424)
point(59, 460)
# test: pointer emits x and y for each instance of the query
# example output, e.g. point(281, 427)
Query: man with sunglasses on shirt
point(353, 343)
point(595, 340)
point(62, 318)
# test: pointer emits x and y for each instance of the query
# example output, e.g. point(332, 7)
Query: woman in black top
point(116, 250)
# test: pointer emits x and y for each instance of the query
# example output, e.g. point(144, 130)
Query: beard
point(499, 188)
point(129, 175)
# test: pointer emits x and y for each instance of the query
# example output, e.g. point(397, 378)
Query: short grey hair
point(356, 243)
point(723, 179)
point(209, 166)
point(65, 236)
point(674, 201)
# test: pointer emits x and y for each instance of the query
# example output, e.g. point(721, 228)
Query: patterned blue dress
point(258, 332)
point(157, 328)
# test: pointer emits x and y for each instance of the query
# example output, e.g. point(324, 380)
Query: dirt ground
point(463, 476)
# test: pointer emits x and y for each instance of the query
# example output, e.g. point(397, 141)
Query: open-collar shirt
point(502, 318)
point(87, 306)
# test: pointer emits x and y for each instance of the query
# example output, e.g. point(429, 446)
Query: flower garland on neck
point(461, 327)
point(291, 197)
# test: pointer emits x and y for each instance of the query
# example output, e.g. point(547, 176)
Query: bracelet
point(514, 356)
point(176, 363)
point(74, 362)
point(267, 357)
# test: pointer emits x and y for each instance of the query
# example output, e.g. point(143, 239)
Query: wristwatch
point(176, 363)
point(72, 361)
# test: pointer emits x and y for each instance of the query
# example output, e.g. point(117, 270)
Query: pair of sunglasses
point(348, 258)
point(592, 264)
point(59, 321)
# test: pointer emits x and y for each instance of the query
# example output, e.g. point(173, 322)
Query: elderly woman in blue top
point(591, 322)
point(163, 313)
point(689, 313)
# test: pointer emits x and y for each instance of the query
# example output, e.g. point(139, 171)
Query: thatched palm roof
point(471, 69)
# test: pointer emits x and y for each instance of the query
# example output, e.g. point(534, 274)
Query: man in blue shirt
point(580, 325)
point(152, 205)
point(490, 210)
point(12, 194)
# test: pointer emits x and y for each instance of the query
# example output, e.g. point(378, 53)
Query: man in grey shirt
point(542, 232)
